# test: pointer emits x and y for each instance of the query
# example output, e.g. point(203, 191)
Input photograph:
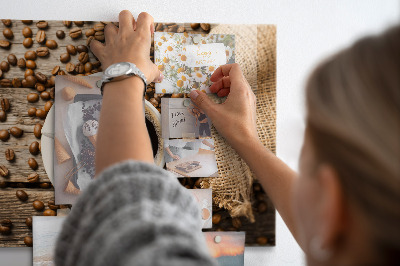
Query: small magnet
point(217, 239)
point(186, 102)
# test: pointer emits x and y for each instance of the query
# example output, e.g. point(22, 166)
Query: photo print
point(45, 231)
point(188, 60)
point(226, 247)
point(182, 119)
point(190, 157)
point(204, 199)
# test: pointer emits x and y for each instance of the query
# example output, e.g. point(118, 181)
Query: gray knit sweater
point(134, 213)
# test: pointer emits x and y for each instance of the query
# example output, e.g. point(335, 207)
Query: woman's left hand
point(130, 42)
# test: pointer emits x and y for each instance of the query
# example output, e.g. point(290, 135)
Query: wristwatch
point(120, 71)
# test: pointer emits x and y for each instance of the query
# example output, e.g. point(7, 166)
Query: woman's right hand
point(235, 119)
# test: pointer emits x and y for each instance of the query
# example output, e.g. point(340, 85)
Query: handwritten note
point(210, 54)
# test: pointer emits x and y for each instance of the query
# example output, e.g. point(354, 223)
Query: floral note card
point(188, 60)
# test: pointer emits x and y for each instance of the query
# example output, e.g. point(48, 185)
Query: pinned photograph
point(226, 247)
point(188, 60)
point(190, 157)
point(45, 232)
point(182, 119)
point(204, 199)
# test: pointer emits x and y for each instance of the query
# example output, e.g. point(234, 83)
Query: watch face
point(118, 69)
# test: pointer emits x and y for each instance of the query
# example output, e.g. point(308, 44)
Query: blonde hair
point(353, 120)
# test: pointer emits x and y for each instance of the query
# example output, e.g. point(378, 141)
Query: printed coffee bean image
point(79, 23)
point(33, 178)
point(30, 55)
point(89, 32)
point(41, 36)
point(27, 43)
point(32, 111)
point(30, 64)
point(10, 155)
point(49, 212)
point(45, 95)
point(89, 39)
point(45, 185)
point(99, 35)
point(27, 32)
point(60, 34)
point(34, 148)
point(27, 22)
point(33, 164)
point(4, 171)
point(37, 131)
point(51, 44)
point(32, 97)
point(6, 222)
point(38, 205)
point(4, 135)
point(3, 184)
point(83, 57)
point(41, 77)
point(67, 23)
point(42, 51)
point(55, 70)
point(8, 33)
point(79, 68)
point(28, 241)
point(12, 59)
point(41, 113)
point(21, 195)
point(39, 87)
point(64, 58)
point(48, 106)
point(4, 66)
point(28, 222)
point(82, 49)
point(16, 132)
point(70, 67)
point(21, 63)
point(16, 83)
point(3, 115)
point(5, 83)
point(5, 230)
point(42, 24)
point(5, 104)
point(5, 44)
point(75, 33)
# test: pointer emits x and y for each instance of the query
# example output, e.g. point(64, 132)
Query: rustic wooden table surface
point(262, 232)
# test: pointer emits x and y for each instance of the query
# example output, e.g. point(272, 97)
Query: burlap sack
point(255, 47)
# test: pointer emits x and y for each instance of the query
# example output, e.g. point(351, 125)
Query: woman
point(343, 208)
point(201, 117)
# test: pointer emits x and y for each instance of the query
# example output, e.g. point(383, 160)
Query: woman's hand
point(235, 119)
point(129, 43)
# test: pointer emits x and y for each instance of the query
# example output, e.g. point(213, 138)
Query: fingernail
point(193, 94)
point(160, 77)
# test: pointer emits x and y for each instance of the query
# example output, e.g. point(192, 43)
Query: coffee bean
point(70, 68)
point(49, 212)
point(75, 33)
point(40, 36)
point(10, 155)
point(32, 164)
point(27, 42)
point(5, 230)
point(79, 68)
point(28, 72)
point(42, 51)
point(159, 27)
point(3, 184)
point(45, 95)
point(6, 22)
point(71, 49)
point(34, 147)
point(28, 222)
point(38, 205)
point(41, 77)
point(89, 32)
point(52, 44)
point(37, 130)
point(67, 23)
point(195, 25)
point(64, 58)
point(8, 33)
point(89, 40)
point(99, 35)
point(4, 66)
point(3, 115)
point(50, 82)
point(34, 177)
point(154, 102)
point(12, 59)
point(30, 64)
point(55, 70)
point(48, 106)
point(79, 23)
point(5, 83)
point(27, 32)
point(16, 132)
point(82, 48)
point(96, 64)
point(60, 34)
point(32, 111)
point(21, 195)
point(6, 222)
point(27, 22)
point(32, 97)
point(21, 63)
point(45, 185)
point(52, 91)
point(5, 104)
point(4, 171)
point(262, 240)
point(4, 44)
point(98, 27)
point(30, 55)
point(216, 218)
point(4, 135)
point(205, 26)
point(1, 73)
point(30, 82)
point(28, 241)
point(42, 24)
point(180, 29)
point(83, 57)
point(40, 87)
point(88, 67)
point(41, 113)
point(16, 83)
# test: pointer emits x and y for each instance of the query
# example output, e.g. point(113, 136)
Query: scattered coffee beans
point(49, 212)
point(16, 132)
point(5, 104)
point(5, 230)
point(30, 81)
point(21, 63)
point(12, 59)
point(75, 33)
point(33, 164)
point(37, 130)
point(42, 51)
point(40, 113)
point(5, 83)
point(71, 49)
point(82, 48)
point(32, 97)
point(52, 44)
point(38, 205)
point(79, 23)
point(34, 177)
point(30, 55)
point(4, 135)
point(83, 57)
point(42, 24)
point(40, 36)
point(48, 106)
point(67, 23)
point(3, 115)
point(10, 155)
point(16, 83)
point(27, 32)
point(6, 222)
point(4, 44)
point(34, 147)
point(21, 195)
point(45, 95)
point(41, 77)
point(64, 58)
point(28, 241)
point(8, 33)
point(32, 111)
point(60, 34)
point(216, 218)
point(6, 22)
point(30, 64)
point(89, 32)
point(45, 185)
point(4, 171)
point(4, 66)
point(27, 22)
point(27, 42)
point(70, 67)
point(28, 222)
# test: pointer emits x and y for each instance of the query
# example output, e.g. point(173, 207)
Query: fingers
point(97, 49)
point(144, 24)
point(158, 75)
point(225, 82)
point(231, 70)
point(223, 92)
point(110, 32)
point(127, 23)
point(202, 101)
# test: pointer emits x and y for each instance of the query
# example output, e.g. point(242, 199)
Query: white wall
point(307, 32)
